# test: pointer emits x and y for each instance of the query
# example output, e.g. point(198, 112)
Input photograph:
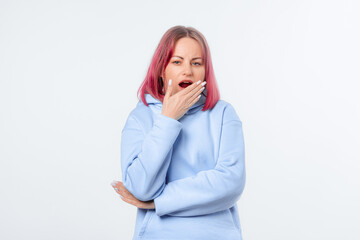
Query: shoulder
point(227, 110)
point(140, 111)
point(141, 116)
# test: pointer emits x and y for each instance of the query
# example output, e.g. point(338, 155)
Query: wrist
point(169, 116)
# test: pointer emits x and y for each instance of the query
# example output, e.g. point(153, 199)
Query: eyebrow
point(183, 58)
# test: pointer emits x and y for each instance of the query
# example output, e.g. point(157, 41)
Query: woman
point(183, 168)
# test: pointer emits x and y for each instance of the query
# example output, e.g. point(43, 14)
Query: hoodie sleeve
point(211, 190)
point(145, 157)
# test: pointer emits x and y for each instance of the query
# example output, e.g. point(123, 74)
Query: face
point(186, 64)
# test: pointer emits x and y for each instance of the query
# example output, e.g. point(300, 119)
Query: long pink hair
point(153, 83)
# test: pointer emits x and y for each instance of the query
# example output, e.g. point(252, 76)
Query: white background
point(69, 72)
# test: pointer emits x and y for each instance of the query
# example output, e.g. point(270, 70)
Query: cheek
point(169, 72)
point(200, 73)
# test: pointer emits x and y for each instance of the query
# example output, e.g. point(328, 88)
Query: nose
point(187, 70)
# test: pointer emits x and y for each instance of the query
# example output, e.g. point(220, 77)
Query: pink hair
point(153, 82)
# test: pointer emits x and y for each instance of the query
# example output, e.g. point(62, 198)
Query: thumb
point(168, 90)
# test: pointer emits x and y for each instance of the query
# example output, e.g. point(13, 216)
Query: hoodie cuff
point(159, 203)
point(163, 121)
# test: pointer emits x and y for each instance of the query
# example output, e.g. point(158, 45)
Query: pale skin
point(186, 63)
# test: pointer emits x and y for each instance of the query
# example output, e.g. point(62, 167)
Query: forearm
point(146, 158)
point(211, 190)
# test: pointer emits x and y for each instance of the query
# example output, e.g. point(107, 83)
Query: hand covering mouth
point(185, 83)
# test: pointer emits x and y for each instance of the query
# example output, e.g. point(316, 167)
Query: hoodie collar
point(156, 104)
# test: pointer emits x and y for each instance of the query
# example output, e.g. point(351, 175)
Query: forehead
point(187, 47)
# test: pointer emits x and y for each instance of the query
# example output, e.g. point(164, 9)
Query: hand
point(175, 106)
point(129, 198)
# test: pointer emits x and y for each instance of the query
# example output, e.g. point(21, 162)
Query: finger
point(128, 200)
point(193, 99)
point(194, 91)
point(123, 191)
point(115, 185)
point(192, 88)
point(168, 90)
point(120, 189)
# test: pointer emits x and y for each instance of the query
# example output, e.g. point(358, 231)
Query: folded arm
point(145, 157)
point(211, 190)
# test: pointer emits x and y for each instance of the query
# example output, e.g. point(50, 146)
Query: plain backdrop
point(69, 73)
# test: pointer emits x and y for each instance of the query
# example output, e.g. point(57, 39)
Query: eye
point(197, 63)
point(176, 62)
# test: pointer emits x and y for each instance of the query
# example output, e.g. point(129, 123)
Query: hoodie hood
point(156, 105)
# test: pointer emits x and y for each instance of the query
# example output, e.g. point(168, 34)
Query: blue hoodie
point(193, 168)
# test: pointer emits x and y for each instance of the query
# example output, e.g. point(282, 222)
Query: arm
point(145, 158)
point(211, 190)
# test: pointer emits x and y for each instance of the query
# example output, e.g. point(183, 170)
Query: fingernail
point(121, 196)
point(203, 83)
point(113, 183)
point(170, 82)
point(116, 189)
point(202, 88)
point(198, 82)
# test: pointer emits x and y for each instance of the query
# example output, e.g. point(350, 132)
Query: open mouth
point(185, 84)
